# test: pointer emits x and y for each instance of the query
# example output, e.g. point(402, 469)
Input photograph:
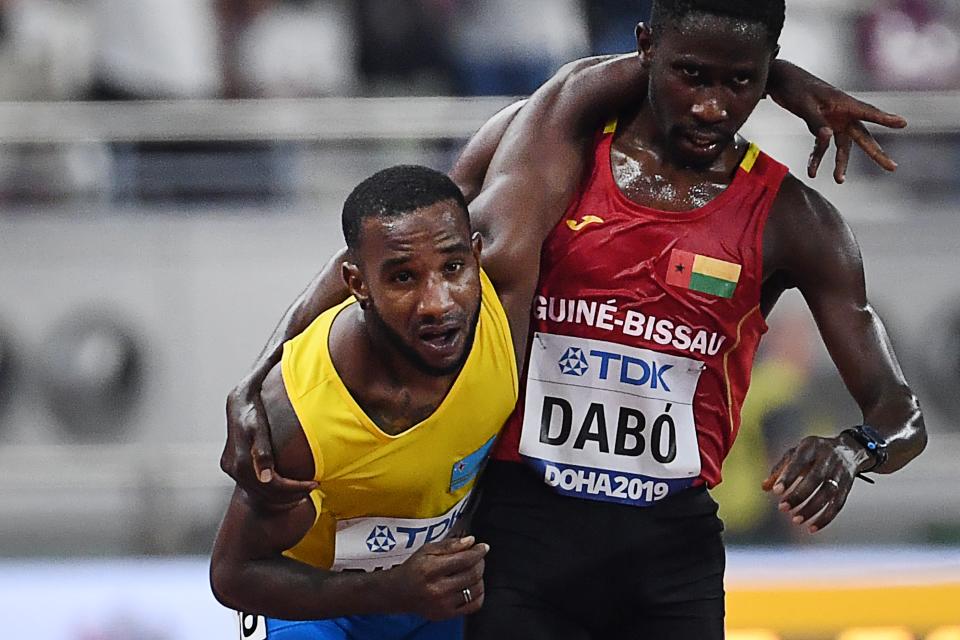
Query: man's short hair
point(396, 191)
point(769, 13)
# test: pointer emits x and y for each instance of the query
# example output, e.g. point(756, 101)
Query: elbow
point(921, 437)
point(918, 435)
point(911, 438)
point(223, 583)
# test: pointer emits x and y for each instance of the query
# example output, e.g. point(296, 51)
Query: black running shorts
point(565, 568)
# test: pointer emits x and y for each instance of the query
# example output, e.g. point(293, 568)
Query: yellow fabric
point(750, 159)
point(705, 265)
point(364, 472)
point(822, 611)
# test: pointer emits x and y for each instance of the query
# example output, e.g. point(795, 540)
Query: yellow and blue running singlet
point(381, 497)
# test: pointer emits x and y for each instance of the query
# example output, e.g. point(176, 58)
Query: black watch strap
point(873, 442)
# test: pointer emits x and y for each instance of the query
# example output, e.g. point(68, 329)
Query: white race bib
point(372, 543)
point(252, 626)
point(604, 421)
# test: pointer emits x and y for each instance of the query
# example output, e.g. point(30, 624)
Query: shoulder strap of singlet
point(763, 168)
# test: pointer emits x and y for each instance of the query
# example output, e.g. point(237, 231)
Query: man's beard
point(373, 316)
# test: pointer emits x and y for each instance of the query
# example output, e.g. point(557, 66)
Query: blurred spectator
point(46, 53)
point(156, 49)
point(296, 49)
point(612, 24)
point(403, 45)
point(508, 48)
point(232, 19)
point(912, 44)
point(45, 50)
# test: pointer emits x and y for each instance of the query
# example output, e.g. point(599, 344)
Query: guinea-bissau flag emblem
point(702, 273)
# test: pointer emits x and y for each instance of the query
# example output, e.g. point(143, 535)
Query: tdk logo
point(573, 362)
point(381, 540)
point(616, 366)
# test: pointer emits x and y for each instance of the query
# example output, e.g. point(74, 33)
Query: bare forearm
point(289, 590)
point(783, 74)
point(324, 291)
point(249, 573)
point(470, 168)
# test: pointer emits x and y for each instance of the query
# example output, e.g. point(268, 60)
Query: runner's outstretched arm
point(247, 456)
point(830, 113)
point(822, 259)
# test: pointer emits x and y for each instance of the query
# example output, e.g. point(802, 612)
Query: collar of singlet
point(749, 158)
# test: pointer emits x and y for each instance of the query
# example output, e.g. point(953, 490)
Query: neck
point(392, 365)
point(648, 174)
point(639, 136)
point(391, 390)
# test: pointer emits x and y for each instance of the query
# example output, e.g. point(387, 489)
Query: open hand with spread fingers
point(832, 114)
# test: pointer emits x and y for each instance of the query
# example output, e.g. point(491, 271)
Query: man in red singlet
point(652, 300)
point(653, 293)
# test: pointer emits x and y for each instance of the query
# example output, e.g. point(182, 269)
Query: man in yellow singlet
point(390, 401)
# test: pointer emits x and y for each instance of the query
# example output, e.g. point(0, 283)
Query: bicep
point(518, 208)
point(292, 452)
point(470, 169)
point(249, 531)
point(542, 154)
point(831, 280)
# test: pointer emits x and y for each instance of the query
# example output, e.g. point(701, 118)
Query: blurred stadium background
point(171, 174)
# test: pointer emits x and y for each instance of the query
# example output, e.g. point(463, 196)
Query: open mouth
point(440, 338)
point(704, 140)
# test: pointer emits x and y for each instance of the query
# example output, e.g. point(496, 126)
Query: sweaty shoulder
point(291, 448)
point(306, 358)
point(805, 229)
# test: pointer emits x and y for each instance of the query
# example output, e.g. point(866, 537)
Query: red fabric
point(626, 258)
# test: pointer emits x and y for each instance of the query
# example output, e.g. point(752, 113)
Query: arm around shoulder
point(540, 162)
point(248, 454)
point(248, 570)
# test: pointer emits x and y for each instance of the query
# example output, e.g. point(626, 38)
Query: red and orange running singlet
point(645, 327)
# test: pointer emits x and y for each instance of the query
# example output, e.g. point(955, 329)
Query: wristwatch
point(873, 442)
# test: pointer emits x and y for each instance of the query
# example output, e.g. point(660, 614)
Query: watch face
point(875, 440)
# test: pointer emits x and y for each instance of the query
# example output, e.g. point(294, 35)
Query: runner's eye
point(402, 277)
point(454, 267)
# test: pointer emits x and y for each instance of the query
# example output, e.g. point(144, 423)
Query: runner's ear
point(476, 241)
point(355, 283)
point(644, 43)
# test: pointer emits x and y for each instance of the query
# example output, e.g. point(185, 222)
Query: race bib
point(373, 543)
point(604, 421)
point(252, 626)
